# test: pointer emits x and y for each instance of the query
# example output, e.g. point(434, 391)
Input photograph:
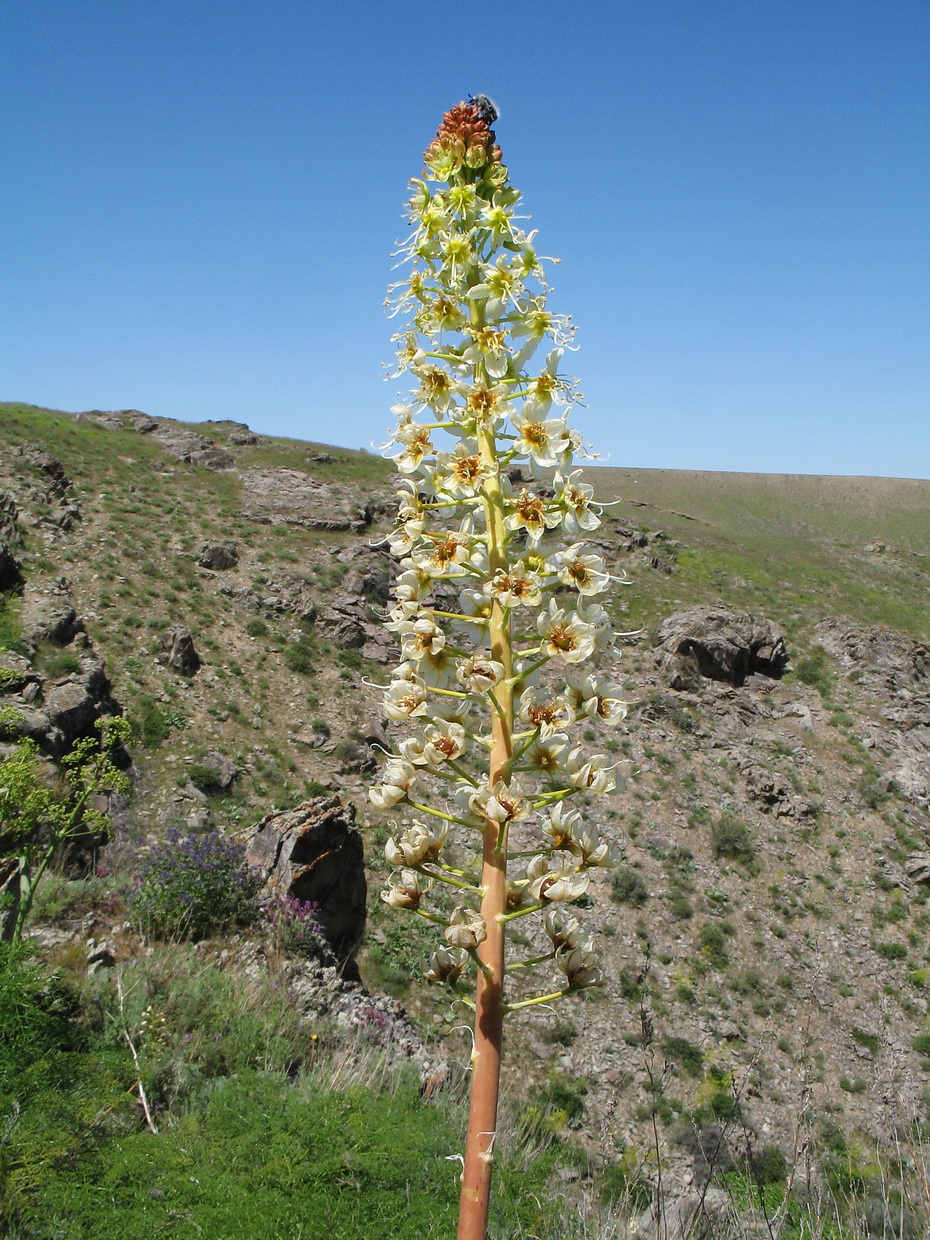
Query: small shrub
point(560, 1032)
point(891, 951)
point(62, 664)
point(713, 941)
point(295, 924)
point(814, 671)
point(922, 1044)
point(351, 658)
point(629, 887)
point(191, 884)
point(257, 628)
point(683, 1052)
point(864, 1038)
point(731, 838)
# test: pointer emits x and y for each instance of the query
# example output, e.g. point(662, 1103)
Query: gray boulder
point(178, 651)
point(219, 555)
point(717, 644)
point(314, 852)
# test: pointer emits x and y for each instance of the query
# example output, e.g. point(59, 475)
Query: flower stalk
point(494, 610)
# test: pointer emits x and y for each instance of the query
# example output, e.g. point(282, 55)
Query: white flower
point(488, 347)
point(548, 716)
point(544, 442)
point(561, 927)
point(398, 778)
point(531, 514)
point(440, 554)
point(417, 844)
point(476, 606)
point(500, 804)
point(447, 964)
point(466, 928)
point(583, 572)
point(543, 754)
point(415, 441)
point(515, 588)
point(590, 774)
point(564, 882)
point(479, 674)
point(581, 965)
point(560, 826)
point(597, 699)
point(575, 498)
point(569, 639)
point(594, 615)
point(406, 889)
point(419, 637)
point(462, 471)
point(444, 742)
point(405, 699)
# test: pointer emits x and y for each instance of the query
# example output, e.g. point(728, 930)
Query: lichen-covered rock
point(314, 852)
point(717, 644)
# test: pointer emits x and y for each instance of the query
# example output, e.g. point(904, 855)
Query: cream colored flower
point(406, 890)
point(563, 929)
point(466, 929)
point(405, 699)
point(547, 884)
point(479, 674)
point(447, 964)
point(575, 499)
point(581, 965)
point(517, 587)
point(565, 637)
point(583, 572)
point(590, 774)
point(397, 779)
point(416, 845)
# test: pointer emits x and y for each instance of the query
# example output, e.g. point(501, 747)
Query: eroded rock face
point(314, 852)
point(287, 496)
point(49, 614)
point(717, 644)
point(9, 542)
point(178, 650)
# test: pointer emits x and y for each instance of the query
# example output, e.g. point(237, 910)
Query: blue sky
point(199, 199)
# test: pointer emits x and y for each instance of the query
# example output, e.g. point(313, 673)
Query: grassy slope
point(790, 547)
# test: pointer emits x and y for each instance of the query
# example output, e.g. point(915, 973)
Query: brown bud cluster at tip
point(463, 138)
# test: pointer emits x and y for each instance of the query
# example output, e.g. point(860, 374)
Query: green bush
point(62, 664)
point(629, 887)
point(713, 940)
point(257, 628)
point(814, 671)
point(192, 884)
point(730, 837)
point(685, 1053)
point(36, 1012)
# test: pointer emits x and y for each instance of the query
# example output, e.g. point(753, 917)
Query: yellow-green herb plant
point(495, 610)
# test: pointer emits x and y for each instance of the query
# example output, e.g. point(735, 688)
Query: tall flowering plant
point(495, 610)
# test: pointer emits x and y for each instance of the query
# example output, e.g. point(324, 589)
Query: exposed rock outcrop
point(717, 644)
point(219, 555)
point(289, 497)
point(314, 852)
point(178, 651)
point(9, 542)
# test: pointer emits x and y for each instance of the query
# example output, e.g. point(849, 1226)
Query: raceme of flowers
point(495, 608)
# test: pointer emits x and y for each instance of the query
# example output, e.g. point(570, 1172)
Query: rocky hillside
point(766, 936)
